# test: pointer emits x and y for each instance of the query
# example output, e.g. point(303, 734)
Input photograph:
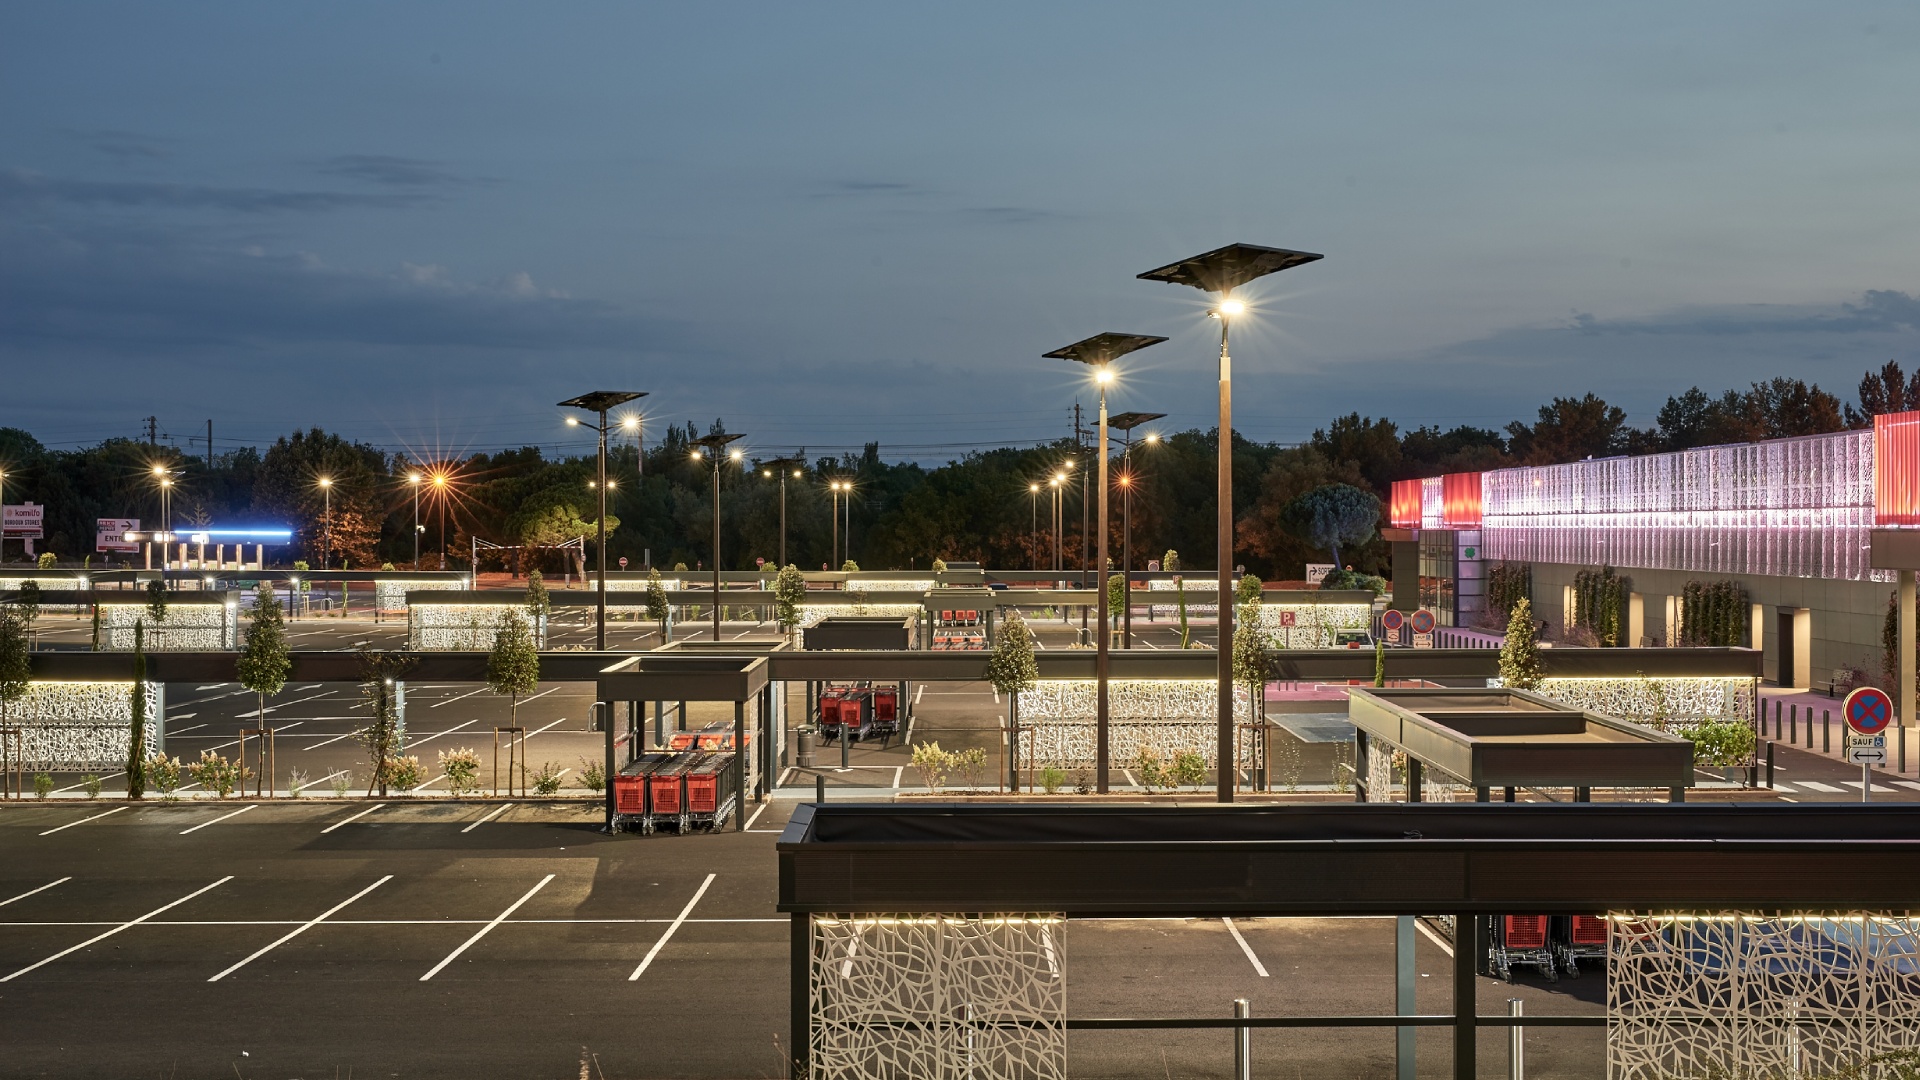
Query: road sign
point(110, 534)
point(1866, 749)
point(1423, 641)
point(623, 562)
point(1391, 621)
point(1423, 621)
point(1317, 572)
point(1867, 711)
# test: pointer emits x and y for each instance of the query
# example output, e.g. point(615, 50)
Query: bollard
point(1770, 766)
point(1826, 732)
point(1793, 725)
point(1516, 1042)
point(1242, 1041)
point(819, 789)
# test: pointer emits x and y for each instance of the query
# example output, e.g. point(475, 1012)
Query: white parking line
point(352, 819)
point(437, 734)
point(451, 700)
point(335, 739)
point(83, 821)
point(756, 815)
point(83, 783)
point(675, 925)
point(1433, 937)
point(30, 892)
point(483, 931)
point(302, 928)
point(503, 809)
point(1246, 948)
point(178, 731)
point(125, 925)
point(316, 783)
point(219, 819)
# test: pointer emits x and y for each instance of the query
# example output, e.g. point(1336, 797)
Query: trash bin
point(803, 752)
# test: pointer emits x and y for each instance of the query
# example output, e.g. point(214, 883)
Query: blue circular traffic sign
point(1391, 620)
point(1423, 621)
point(1868, 711)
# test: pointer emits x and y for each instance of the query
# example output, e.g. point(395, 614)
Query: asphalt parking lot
point(439, 939)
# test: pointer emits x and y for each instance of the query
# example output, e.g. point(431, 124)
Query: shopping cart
point(1520, 939)
point(1577, 938)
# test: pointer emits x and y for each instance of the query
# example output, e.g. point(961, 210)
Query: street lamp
point(1098, 352)
point(1033, 526)
point(782, 467)
point(1126, 422)
point(440, 493)
point(713, 444)
point(836, 487)
point(599, 401)
point(1053, 507)
point(164, 480)
point(413, 481)
point(1221, 271)
point(631, 422)
point(326, 527)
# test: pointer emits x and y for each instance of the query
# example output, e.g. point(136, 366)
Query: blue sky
point(829, 223)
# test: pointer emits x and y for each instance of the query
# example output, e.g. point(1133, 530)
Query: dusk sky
point(420, 225)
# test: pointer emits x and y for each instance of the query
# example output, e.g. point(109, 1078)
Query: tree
point(1117, 598)
point(1363, 443)
point(1889, 391)
point(657, 607)
point(383, 736)
point(1569, 429)
point(513, 667)
point(1012, 670)
point(1332, 515)
point(1520, 653)
point(265, 662)
point(137, 733)
point(28, 602)
point(789, 589)
point(157, 600)
point(1170, 562)
point(539, 604)
point(1247, 589)
point(849, 567)
point(1250, 663)
point(16, 663)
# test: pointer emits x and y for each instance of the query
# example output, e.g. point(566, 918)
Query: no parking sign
point(1868, 711)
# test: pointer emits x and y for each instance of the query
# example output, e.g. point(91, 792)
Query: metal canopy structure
point(1102, 348)
point(602, 400)
point(1510, 738)
point(1127, 421)
point(1227, 268)
point(678, 676)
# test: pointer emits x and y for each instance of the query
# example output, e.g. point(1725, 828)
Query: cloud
point(1879, 311)
point(1007, 215)
point(395, 171)
point(843, 189)
point(126, 147)
point(24, 187)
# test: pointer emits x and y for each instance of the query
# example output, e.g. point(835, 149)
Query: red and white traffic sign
point(1423, 621)
point(1391, 620)
point(1867, 711)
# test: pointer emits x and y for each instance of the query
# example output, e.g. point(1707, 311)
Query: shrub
point(215, 773)
point(939, 566)
point(92, 785)
point(1189, 768)
point(1148, 768)
point(932, 763)
point(296, 780)
point(163, 773)
point(341, 784)
point(547, 780)
point(1519, 653)
point(42, 785)
point(1082, 784)
point(404, 773)
point(849, 567)
point(593, 775)
point(1599, 597)
point(1721, 743)
point(1353, 579)
point(462, 767)
point(969, 764)
point(48, 560)
point(1051, 779)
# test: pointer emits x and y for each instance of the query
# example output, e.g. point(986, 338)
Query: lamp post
point(326, 524)
point(712, 445)
point(1033, 527)
point(163, 478)
point(1126, 422)
point(833, 515)
point(1053, 505)
point(631, 422)
point(1220, 271)
point(1099, 352)
point(598, 402)
point(782, 467)
point(413, 481)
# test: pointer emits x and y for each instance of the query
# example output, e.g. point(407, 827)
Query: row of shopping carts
point(859, 711)
point(715, 736)
point(1551, 944)
point(960, 631)
point(677, 790)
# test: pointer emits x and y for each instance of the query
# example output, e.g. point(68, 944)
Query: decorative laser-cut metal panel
point(1165, 715)
point(1787, 508)
point(669, 584)
point(83, 725)
point(937, 998)
point(463, 627)
point(391, 594)
point(1130, 699)
point(1312, 624)
point(183, 628)
point(1072, 744)
point(909, 585)
point(811, 614)
point(1210, 586)
point(1382, 784)
point(1734, 994)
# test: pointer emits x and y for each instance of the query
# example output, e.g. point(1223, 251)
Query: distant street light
point(413, 481)
point(1126, 422)
point(598, 402)
point(440, 493)
point(713, 444)
point(782, 467)
point(326, 525)
point(1033, 527)
point(1099, 352)
point(1221, 271)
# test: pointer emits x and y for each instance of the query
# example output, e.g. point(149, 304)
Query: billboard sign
point(111, 534)
point(22, 522)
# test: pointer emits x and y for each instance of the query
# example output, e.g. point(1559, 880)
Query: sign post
point(1391, 620)
point(1868, 713)
point(1423, 624)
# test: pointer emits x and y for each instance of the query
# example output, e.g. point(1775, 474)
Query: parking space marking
point(1814, 785)
point(671, 927)
point(1421, 926)
point(322, 780)
point(123, 926)
point(437, 734)
point(487, 929)
point(503, 809)
point(335, 739)
point(218, 820)
point(83, 783)
point(177, 731)
point(302, 928)
point(451, 700)
point(1246, 948)
point(352, 819)
point(1908, 784)
point(756, 816)
point(30, 892)
point(83, 821)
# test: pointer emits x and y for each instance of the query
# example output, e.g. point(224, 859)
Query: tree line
point(899, 515)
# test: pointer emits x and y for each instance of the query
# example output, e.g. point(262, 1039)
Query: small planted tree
point(1250, 663)
point(850, 567)
point(137, 736)
point(539, 604)
point(1170, 562)
point(657, 607)
point(48, 560)
point(28, 602)
point(939, 566)
point(1247, 590)
point(265, 662)
point(1012, 670)
point(513, 667)
point(1117, 597)
point(157, 600)
point(1520, 652)
point(384, 736)
point(16, 666)
point(789, 589)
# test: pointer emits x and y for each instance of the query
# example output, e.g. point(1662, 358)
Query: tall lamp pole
point(413, 481)
point(1126, 422)
point(326, 530)
point(1033, 526)
point(712, 445)
point(599, 402)
point(1099, 352)
point(833, 514)
point(1220, 271)
point(440, 494)
point(782, 467)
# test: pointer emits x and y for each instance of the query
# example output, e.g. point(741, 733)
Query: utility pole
point(1080, 434)
point(153, 431)
point(209, 444)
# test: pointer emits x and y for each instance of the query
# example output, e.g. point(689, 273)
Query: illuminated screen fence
point(1787, 508)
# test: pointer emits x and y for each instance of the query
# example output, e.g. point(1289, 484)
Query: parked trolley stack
point(680, 790)
point(858, 712)
point(960, 631)
point(1553, 945)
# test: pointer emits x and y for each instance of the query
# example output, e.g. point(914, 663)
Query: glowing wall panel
point(1403, 505)
point(1787, 508)
point(1460, 500)
point(1896, 469)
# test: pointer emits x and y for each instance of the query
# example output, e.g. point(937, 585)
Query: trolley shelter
point(706, 781)
point(1475, 740)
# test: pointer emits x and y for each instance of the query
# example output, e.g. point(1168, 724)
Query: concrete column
point(1905, 667)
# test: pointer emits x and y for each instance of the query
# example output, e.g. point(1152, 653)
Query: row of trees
point(899, 515)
